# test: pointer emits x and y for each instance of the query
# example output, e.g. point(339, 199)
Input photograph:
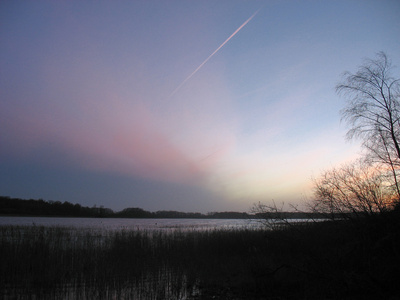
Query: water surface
point(132, 224)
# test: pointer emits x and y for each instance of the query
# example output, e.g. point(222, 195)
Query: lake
point(133, 224)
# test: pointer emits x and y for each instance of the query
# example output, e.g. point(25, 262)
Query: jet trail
point(212, 54)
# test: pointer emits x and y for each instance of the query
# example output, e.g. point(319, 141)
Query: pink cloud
point(114, 137)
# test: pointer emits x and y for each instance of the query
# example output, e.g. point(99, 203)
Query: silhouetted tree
point(373, 113)
point(369, 185)
point(134, 212)
point(353, 190)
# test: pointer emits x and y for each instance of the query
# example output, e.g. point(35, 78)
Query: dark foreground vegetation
point(355, 259)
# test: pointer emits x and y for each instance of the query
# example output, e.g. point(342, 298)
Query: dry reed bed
point(304, 261)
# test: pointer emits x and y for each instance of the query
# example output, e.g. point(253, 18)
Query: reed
point(304, 261)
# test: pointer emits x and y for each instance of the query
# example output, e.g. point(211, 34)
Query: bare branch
point(373, 104)
point(354, 190)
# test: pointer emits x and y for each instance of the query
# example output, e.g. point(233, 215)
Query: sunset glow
point(187, 106)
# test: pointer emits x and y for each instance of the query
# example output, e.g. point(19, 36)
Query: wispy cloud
point(212, 54)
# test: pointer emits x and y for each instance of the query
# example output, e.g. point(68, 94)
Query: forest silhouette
point(39, 207)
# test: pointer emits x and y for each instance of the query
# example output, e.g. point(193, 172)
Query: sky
point(193, 106)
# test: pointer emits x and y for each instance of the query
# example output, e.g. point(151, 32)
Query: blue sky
point(103, 102)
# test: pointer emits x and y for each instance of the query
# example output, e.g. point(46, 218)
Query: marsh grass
point(305, 261)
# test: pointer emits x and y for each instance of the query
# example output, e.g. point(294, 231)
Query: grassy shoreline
point(324, 260)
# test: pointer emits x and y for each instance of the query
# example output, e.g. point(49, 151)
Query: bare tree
point(373, 107)
point(270, 215)
point(371, 184)
point(353, 190)
point(373, 114)
point(381, 153)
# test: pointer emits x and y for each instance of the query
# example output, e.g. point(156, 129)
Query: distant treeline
point(21, 207)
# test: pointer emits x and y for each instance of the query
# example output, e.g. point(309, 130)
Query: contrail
point(212, 54)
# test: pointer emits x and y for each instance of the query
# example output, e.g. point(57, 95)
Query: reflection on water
point(77, 258)
point(133, 224)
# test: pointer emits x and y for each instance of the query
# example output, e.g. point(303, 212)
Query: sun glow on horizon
point(86, 93)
